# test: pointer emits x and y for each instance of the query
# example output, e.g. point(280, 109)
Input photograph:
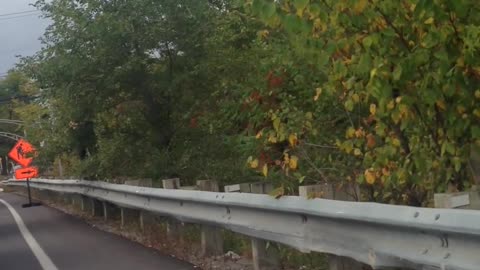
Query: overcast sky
point(18, 36)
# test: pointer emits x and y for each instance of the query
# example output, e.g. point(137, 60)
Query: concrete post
point(347, 192)
point(212, 241)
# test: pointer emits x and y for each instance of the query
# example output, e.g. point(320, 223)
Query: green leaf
point(300, 4)
point(457, 162)
point(269, 9)
point(367, 42)
point(292, 23)
point(257, 6)
point(397, 73)
point(475, 132)
point(278, 192)
point(349, 105)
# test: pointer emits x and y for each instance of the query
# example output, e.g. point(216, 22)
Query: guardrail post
point(145, 218)
point(97, 208)
point(86, 204)
point(263, 258)
point(128, 215)
point(461, 200)
point(110, 211)
point(173, 227)
point(76, 200)
point(212, 241)
point(348, 192)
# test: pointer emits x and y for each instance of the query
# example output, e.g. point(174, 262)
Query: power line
point(17, 13)
point(21, 16)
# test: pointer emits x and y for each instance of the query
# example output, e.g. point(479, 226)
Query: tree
point(408, 78)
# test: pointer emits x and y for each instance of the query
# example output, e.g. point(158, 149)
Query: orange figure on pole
point(22, 153)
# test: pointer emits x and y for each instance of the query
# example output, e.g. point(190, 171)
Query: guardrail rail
point(379, 235)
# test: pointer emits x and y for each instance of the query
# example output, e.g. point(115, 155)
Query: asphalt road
point(52, 240)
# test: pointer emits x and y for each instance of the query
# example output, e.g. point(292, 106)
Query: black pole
point(30, 203)
point(28, 190)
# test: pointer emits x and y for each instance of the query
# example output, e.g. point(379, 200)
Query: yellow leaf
point(398, 100)
point(264, 34)
point(461, 109)
point(254, 164)
point(373, 109)
point(476, 112)
point(391, 105)
point(350, 132)
point(356, 98)
point(348, 148)
point(477, 94)
point(396, 142)
point(360, 6)
point(373, 72)
point(265, 170)
point(293, 164)
point(309, 115)
point(441, 104)
point(429, 20)
point(259, 134)
point(357, 152)
point(276, 123)
point(318, 92)
point(272, 138)
point(370, 176)
point(359, 133)
point(292, 139)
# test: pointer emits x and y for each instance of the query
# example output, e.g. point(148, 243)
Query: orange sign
point(24, 173)
point(22, 153)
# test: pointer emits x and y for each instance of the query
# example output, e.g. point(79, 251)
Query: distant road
point(51, 240)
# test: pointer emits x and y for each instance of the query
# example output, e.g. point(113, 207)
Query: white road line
point(39, 253)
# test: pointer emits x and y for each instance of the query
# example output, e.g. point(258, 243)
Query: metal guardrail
point(376, 234)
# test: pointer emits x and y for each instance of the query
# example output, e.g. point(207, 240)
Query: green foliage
point(291, 91)
point(406, 77)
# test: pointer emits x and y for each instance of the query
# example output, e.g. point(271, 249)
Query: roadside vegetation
point(380, 93)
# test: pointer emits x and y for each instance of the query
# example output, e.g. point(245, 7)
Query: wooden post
point(128, 216)
point(173, 227)
point(110, 211)
point(348, 192)
point(212, 241)
point(96, 207)
point(263, 258)
point(460, 200)
point(145, 219)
